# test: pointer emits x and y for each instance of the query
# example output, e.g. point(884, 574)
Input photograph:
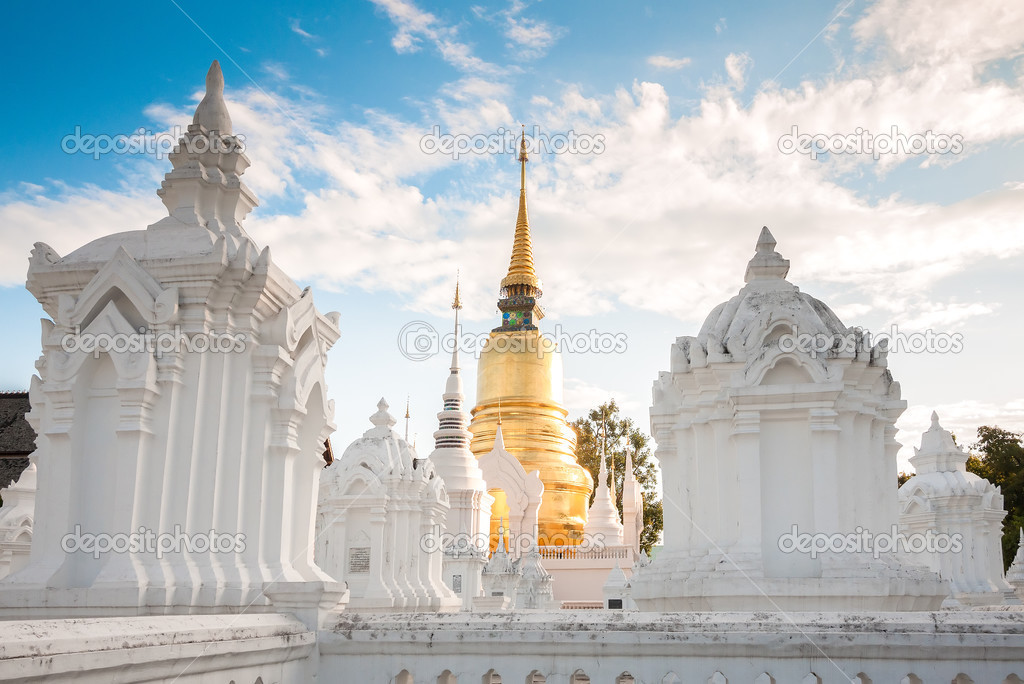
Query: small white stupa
point(500, 578)
point(16, 518)
point(962, 515)
point(603, 527)
point(1015, 575)
point(774, 424)
point(378, 508)
point(469, 519)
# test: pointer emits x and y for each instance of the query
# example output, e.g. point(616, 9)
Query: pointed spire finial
point(407, 418)
point(382, 419)
point(765, 241)
point(212, 112)
point(767, 264)
point(521, 271)
point(935, 420)
point(457, 305)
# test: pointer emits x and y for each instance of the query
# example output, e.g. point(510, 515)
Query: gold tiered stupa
point(519, 381)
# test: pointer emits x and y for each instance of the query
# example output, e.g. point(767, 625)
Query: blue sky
point(643, 239)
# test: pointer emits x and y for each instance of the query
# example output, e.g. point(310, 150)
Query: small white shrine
point(16, 517)
point(956, 518)
point(763, 442)
point(379, 504)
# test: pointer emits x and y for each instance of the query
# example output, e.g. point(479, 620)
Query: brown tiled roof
point(17, 438)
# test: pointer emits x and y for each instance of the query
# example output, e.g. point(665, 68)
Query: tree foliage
point(999, 458)
point(620, 432)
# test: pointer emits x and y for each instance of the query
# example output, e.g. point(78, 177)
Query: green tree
point(621, 432)
point(1000, 460)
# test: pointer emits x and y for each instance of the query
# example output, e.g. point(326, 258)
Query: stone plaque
point(359, 559)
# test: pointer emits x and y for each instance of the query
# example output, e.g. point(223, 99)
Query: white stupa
point(468, 527)
point(764, 434)
point(603, 527)
point(207, 414)
point(378, 506)
point(962, 513)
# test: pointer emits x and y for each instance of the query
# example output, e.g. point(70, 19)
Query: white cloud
point(663, 62)
point(415, 25)
point(297, 29)
point(276, 70)
point(698, 186)
point(736, 65)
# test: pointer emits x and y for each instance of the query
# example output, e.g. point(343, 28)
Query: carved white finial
point(767, 264)
point(935, 420)
point(766, 241)
point(212, 112)
point(382, 418)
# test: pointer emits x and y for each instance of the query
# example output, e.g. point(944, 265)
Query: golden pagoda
point(519, 383)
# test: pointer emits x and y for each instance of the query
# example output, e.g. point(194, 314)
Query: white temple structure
point(761, 440)
point(957, 517)
point(182, 378)
point(16, 516)
point(466, 540)
point(378, 506)
point(181, 442)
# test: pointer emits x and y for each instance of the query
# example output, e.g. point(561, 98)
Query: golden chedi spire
point(519, 388)
point(521, 273)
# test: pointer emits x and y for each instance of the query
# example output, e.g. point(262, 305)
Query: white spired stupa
point(763, 442)
point(962, 514)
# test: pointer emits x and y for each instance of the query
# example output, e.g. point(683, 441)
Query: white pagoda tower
point(469, 519)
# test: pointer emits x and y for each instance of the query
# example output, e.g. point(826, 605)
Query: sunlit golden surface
point(523, 372)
